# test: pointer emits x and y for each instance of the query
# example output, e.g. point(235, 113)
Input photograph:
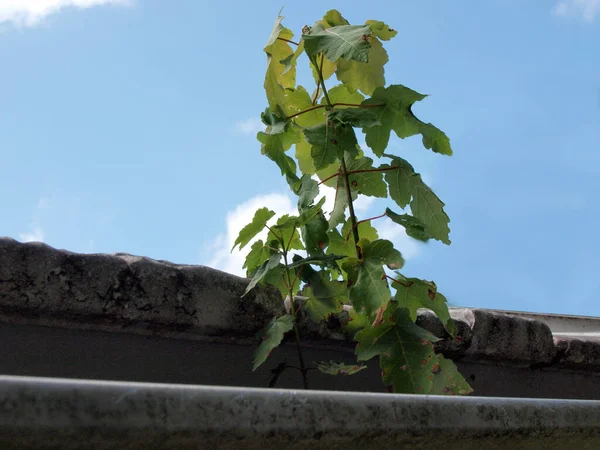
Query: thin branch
point(410, 283)
point(337, 174)
point(287, 40)
point(358, 106)
point(305, 111)
point(318, 84)
point(365, 220)
point(379, 169)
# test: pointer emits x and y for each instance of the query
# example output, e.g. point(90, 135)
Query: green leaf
point(319, 260)
point(275, 124)
point(329, 142)
point(405, 351)
point(309, 213)
point(367, 183)
point(447, 380)
point(355, 117)
point(338, 215)
point(260, 219)
point(343, 244)
point(413, 293)
point(290, 61)
point(258, 254)
point(415, 228)
point(262, 271)
point(341, 94)
point(277, 277)
point(285, 233)
point(327, 172)
point(396, 114)
point(364, 76)
point(309, 189)
point(274, 147)
point(381, 30)
point(369, 288)
point(333, 18)
point(336, 368)
point(345, 41)
point(407, 186)
point(324, 296)
point(304, 157)
point(314, 234)
point(298, 100)
point(272, 336)
point(276, 80)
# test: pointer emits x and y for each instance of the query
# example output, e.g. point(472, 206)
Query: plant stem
point(378, 169)
point(325, 94)
point(351, 208)
point(367, 220)
point(287, 40)
point(337, 174)
point(296, 328)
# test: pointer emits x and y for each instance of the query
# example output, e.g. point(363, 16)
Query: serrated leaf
point(405, 351)
point(304, 157)
point(309, 189)
point(341, 94)
point(334, 18)
point(345, 41)
point(396, 114)
point(324, 296)
point(289, 63)
point(327, 172)
point(319, 260)
point(262, 271)
point(343, 243)
point(364, 76)
point(369, 289)
point(276, 80)
point(309, 213)
point(275, 124)
point(298, 100)
point(413, 293)
point(337, 368)
point(447, 380)
point(260, 219)
point(258, 254)
point(381, 30)
point(406, 186)
point(367, 183)
point(338, 215)
point(274, 147)
point(277, 277)
point(355, 117)
point(329, 142)
point(414, 227)
point(273, 334)
point(285, 232)
point(314, 234)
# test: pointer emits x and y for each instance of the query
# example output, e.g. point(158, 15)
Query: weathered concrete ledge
point(68, 414)
point(56, 305)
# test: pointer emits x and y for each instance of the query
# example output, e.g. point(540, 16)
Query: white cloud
point(238, 218)
point(35, 235)
point(249, 126)
point(583, 9)
point(32, 12)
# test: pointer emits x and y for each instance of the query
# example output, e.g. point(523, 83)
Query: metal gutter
point(72, 414)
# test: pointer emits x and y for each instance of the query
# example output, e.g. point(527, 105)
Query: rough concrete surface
point(123, 292)
point(67, 414)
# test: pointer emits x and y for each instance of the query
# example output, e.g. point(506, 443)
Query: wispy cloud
point(220, 257)
point(36, 233)
point(586, 10)
point(32, 12)
point(249, 126)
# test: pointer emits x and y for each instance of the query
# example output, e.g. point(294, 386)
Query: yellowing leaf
point(364, 76)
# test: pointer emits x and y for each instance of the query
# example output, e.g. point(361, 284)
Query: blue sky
point(128, 126)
